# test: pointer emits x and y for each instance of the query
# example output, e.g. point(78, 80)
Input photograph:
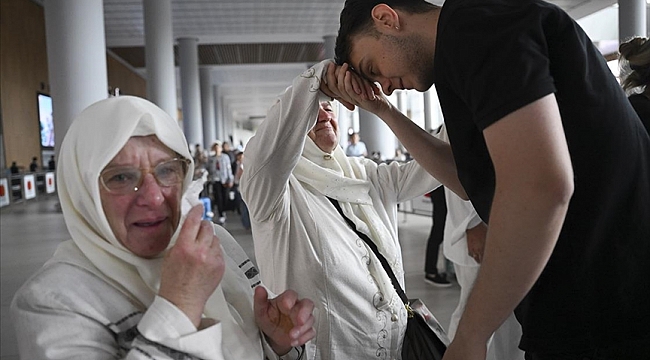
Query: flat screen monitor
point(45, 120)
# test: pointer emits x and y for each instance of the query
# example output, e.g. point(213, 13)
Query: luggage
point(207, 208)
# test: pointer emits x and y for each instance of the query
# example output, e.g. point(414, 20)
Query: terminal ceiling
point(254, 48)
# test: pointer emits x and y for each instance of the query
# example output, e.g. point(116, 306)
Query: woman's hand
point(193, 267)
point(476, 241)
point(285, 320)
point(351, 90)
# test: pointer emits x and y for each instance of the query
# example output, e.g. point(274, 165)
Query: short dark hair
point(356, 19)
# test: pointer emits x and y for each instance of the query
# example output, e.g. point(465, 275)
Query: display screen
point(45, 120)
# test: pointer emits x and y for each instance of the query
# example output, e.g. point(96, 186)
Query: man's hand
point(465, 350)
point(285, 320)
point(193, 267)
point(476, 241)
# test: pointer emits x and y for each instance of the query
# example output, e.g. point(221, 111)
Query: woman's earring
point(396, 27)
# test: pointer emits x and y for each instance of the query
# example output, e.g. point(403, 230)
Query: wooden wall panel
point(120, 76)
point(23, 73)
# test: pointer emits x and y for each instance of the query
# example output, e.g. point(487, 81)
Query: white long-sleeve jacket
point(67, 310)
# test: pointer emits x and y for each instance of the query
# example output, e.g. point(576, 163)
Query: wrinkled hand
point(351, 90)
point(193, 267)
point(285, 320)
point(476, 241)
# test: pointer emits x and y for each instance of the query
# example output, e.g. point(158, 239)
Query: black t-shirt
point(496, 56)
point(641, 105)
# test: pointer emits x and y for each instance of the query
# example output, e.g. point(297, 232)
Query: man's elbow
point(560, 189)
point(565, 190)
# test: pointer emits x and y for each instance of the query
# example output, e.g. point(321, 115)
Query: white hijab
point(94, 138)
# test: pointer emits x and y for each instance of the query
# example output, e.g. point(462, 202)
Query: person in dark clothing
point(14, 168)
point(545, 145)
point(634, 61)
point(33, 166)
point(431, 273)
point(51, 165)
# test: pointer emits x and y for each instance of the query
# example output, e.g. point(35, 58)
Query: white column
point(402, 101)
point(207, 108)
point(632, 20)
point(159, 55)
point(76, 57)
point(355, 120)
point(218, 110)
point(427, 110)
point(376, 135)
point(188, 49)
point(225, 131)
point(343, 119)
point(401, 98)
point(329, 45)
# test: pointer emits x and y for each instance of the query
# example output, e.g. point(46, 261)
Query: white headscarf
point(93, 140)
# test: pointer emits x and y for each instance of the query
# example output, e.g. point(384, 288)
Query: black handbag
point(425, 338)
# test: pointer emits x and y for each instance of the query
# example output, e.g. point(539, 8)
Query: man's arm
point(534, 184)
point(432, 154)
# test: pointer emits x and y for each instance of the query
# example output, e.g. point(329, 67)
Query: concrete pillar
point(76, 57)
point(207, 108)
point(218, 111)
point(225, 124)
point(632, 19)
point(329, 45)
point(188, 49)
point(428, 115)
point(376, 135)
point(402, 101)
point(159, 55)
point(343, 119)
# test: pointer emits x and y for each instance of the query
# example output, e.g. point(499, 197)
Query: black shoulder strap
point(374, 249)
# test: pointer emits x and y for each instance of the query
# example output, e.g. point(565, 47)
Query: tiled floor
point(30, 232)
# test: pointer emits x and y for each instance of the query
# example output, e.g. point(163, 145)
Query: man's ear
point(385, 18)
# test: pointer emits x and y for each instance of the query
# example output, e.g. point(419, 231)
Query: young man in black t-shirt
point(547, 148)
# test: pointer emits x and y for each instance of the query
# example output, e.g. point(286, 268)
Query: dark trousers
point(437, 230)
point(219, 196)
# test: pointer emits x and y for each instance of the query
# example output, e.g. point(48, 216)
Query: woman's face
point(144, 220)
point(325, 133)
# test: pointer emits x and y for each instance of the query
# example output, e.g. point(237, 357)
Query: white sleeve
point(272, 154)
point(47, 327)
point(165, 330)
point(406, 180)
point(460, 217)
point(295, 353)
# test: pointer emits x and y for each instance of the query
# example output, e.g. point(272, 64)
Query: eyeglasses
point(125, 180)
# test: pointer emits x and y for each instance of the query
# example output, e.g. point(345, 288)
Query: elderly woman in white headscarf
point(143, 277)
point(294, 163)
